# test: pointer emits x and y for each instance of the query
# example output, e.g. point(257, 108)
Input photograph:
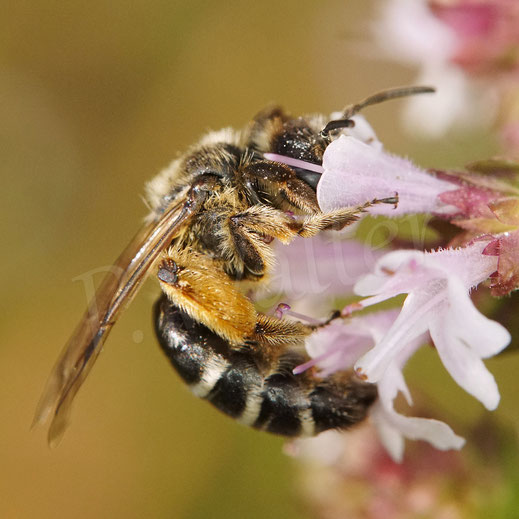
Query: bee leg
point(262, 220)
point(334, 220)
point(279, 179)
point(251, 232)
point(198, 286)
point(267, 221)
point(339, 218)
point(251, 248)
point(272, 336)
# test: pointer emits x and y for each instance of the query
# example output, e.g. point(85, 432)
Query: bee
point(214, 213)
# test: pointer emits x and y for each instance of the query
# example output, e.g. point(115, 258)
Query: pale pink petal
point(376, 324)
point(362, 131)
point(438, 302)
point(404, 270)
point(468, 264)
point(355, 173)
point(390, 423)
point(395, 273)
point(393, 382)
point(337, 346)
point(458, 102)
point(482, 335)
point(320, 266)
point(393, 427)
point(408, 31)
point(390, 436)
point(437, 433)
point(464, 366)
point(411, 323)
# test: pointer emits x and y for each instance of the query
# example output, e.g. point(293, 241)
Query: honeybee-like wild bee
point(214, 213)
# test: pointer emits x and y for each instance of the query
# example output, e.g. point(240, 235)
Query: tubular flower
point(337, 347)
point(321, 266)
point(438, 285)
point(355, 172)
point(468, 50)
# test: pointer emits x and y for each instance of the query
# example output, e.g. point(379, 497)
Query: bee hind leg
point(201, 289)
point(198, 286)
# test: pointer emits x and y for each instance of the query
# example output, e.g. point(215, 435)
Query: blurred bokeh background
point(95, 98)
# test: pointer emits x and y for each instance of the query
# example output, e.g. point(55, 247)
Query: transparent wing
point(116, 291)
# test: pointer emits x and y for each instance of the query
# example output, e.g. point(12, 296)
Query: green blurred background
point(95, 98)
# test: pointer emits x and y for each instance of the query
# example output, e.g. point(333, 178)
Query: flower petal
point(320, 266)
point(408, 32)
point(355, 173)
point(453, 106)
point(392, 427)
point(395, 273)
point(468, 264)
point(391, 384)
point(391, 438)
point(435, 432)
point(464, 366)
point(482, 335)
point(338, 345)
point(411, 323)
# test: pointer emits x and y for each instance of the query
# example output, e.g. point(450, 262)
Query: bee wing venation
point(114, 294)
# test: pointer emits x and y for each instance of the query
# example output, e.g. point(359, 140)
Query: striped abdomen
point(272, 399)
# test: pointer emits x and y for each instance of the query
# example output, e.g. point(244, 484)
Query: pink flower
point(484, 212)
point(337, 347)
point(467, 49)
point(355, 173)
point(486, 33)
point(407, 31)
point(393, 427)
point(438, 285)
point(478, 36)
point(351, 476)
point(321, 266)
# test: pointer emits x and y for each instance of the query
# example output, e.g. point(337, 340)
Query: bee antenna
point(379, 97)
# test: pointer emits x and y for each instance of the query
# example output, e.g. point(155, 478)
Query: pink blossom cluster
point(469, 49)
point(436, 284)
point(352, 476)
